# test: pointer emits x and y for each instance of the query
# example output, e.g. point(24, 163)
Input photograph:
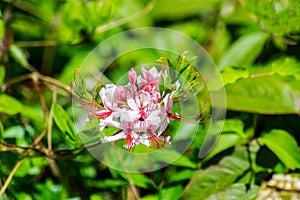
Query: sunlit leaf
point(216, 178)
point(180, 176)
point(14, 132)
point(284, 146)
point(64, 123)
point(150, 197)
point(268, 94)
point(2, 74)
point(224, 141)
point(180, 9)
point(19, 55)
point(10, 105)
point(170, 193)
point(237, 192)
point(244, 51)
point(286, 67)
point(1, 26)
point(279, 17)
point(232, 74)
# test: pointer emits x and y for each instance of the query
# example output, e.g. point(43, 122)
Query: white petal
point(153, 71)
point(129, 115)
point(115, 137)
point(132, 104)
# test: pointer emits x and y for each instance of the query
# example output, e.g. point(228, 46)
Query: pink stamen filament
point(104, 114)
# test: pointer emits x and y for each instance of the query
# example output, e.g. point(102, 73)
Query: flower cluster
point(138, 109)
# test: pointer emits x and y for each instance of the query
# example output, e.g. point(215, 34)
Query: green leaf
point(10, 105)
point(14, 132)
point(244, 51)
point(232, 74)
point(284, 146)
point(49, 190)
point(232, 135)
point(236, 192)
point(109, 183)
point(18, 133)
point(168, 156)
point(207, 182)
point(80, 87)
point(1, 27)
point(150, 197)
point(180, 176)
point(2, 74)
point(278, 17)
point(170, 193)
point(219, 42)
point(19, 55)
point(286, 67)
point(32, 166)
point(225, 141)
point(233, 126)
point(139, 180)
point(1, 131)
point(264, 93)
point(181, 9)
point(34, 115)
point(64, 123)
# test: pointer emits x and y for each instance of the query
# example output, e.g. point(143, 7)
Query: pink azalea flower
point(149, 79)
point(149, 82)
point(110, 104)
point(137, 110)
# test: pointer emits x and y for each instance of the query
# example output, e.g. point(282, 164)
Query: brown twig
point(35, 79)
point(124, 20)
point(44, 43)
point(44, 108)
point(10, 176)
point(50, 121)
point(29, 8)
point(36, 75)
point(131, 183)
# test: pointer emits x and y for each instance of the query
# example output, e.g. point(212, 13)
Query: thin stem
point(29, 8)
point(131, 184)
point(44, 108)
point(16, 80)
point(124, 20)
point(50, 121)
point(35, 76)
point(10, 176)
point(255, 122)
point(44, 43)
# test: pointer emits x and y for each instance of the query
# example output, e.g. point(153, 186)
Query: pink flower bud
point(132, 76)
point(120, 93)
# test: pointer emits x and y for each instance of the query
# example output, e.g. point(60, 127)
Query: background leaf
point(255, 93)
point(64, 123)
point(205, 182)
point(237, 192)
point(19, 55)
point(10, 105)
point(278, 17)
point(244, 51)
point(284, 146)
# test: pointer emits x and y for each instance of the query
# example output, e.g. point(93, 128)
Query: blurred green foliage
point(255, 44)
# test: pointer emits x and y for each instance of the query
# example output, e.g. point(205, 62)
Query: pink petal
point(132, 76)
point(120, 93)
